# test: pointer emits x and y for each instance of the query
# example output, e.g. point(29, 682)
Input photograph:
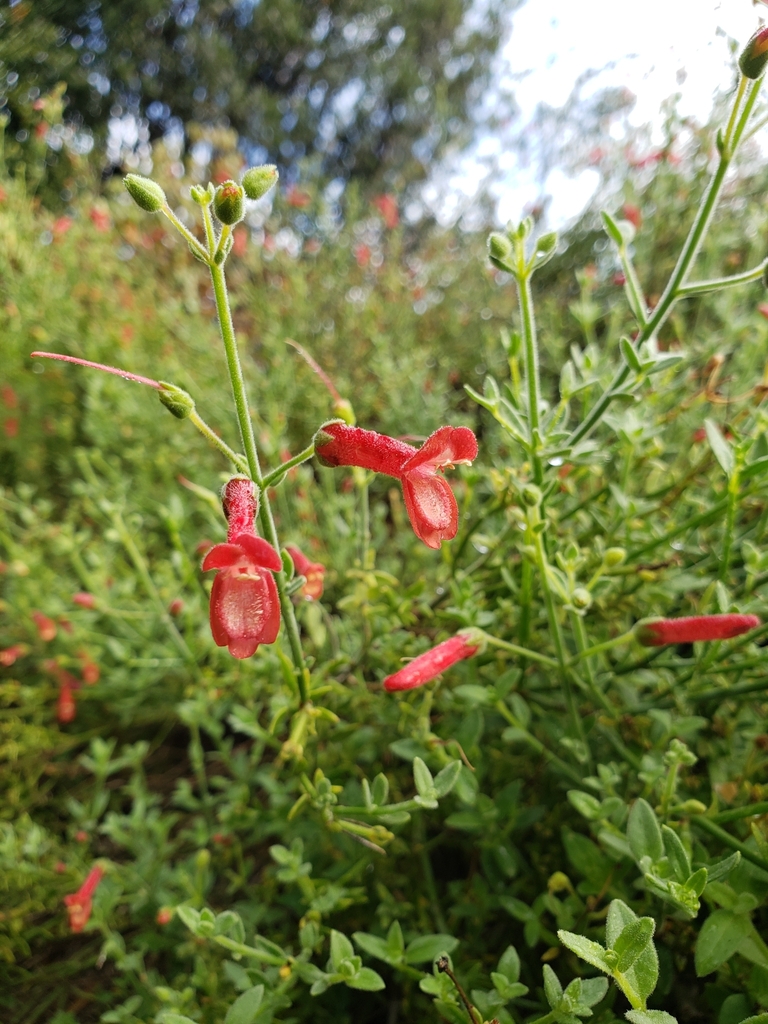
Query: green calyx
point(257, 181)
point(146, 193)
point(229, 203)
point(754, 56)
point(177, 401)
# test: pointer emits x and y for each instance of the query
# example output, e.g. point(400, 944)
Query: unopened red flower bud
point(259, 180)
point(688, 630)
point(164, 915)
point(228, 203)
point(10, 655)
point(176, 607)
point(84, 599)
point(432, 663)
point(145, 193)
point(754, 56)
point(46, 628)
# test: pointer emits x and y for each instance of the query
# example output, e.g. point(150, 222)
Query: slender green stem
point(276, 475)
point(249, 445)
point(537, 745)
point(735, 109)
point(557, 635)
point(580, 635)
point(606, 645)
point(730, 524)
point(524, 652)
point(526, 599)
point(718, 283)
point(226, 231)
point(184, 231)
point(530, 348)
point(237, 460)
point(740, 812)
point(708, 825)
point(420, 845)
point(210, 234)
point(688, 254)
point(633, 288)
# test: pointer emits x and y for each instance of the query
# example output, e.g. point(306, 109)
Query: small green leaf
point(650, 1017)
point(629, 355)
point(380, 790)
point(427, 947)
point(446, 778)
point(720, 447)
point(632, 941)
point(588, 950)
point(678, 858)
point(245, 1007)
point(366, 980)
point(587, 805)
point(553, 990)
point(341, 948)
point(509, 964)
point(721, 935)
point(612, 228)
point(373, 945)
point(395, 943)
point(423, 780)
point(643, 832)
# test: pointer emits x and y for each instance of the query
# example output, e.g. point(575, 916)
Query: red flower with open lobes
point(429, 500)
point(245, 608)
point(80, 904)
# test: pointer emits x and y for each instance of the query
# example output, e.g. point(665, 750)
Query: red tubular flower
point(313, 572)
point(46, 628)
point(80, 904)
point(429, 500)
point(66, 709)
point(89, 668)
point(9, 655)
point(245, 608)
point(84, 600)
point(657, 632)
point(430, 664)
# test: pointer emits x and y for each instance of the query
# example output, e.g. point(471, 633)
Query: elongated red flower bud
point(430, 664)
point(240, 504)
point(338, 444)
point(657, 632)
point(754, 56)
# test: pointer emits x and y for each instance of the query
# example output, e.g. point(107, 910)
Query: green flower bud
point(228, 203)
point(754, 56)
point(176, 400)
point(202, 196)
point(343, 409)
point(499, 248)
point(581, 598)
point(145, 193)
point(531, 495)
point(614, 557)
point(257, 181)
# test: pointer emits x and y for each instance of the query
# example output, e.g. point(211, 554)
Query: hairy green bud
point(754, 56)
point(499, 248)
point(581, 598)
point(257, 181)
point(145, 193)
point(202, 196)
point(176, 400)
point(228, 203)
point(531, 495)
point(614, 557)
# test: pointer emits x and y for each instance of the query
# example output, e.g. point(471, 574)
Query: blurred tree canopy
point(365, 90)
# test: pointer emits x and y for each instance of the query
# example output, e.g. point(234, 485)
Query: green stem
point(730, 524)
point(580, 635)
point(209, 434)
point(688, 254)
point(184, 231)
point(526, 600)
point(718, 283)
point(420, 844)
point(606, 645)
point(557, 635)
point(725, 837)
point(276, 475)
point(249, 446)
point(528, 324)
point(210, 234)
point(524, 652)
point(633, 288)
point(537, 745)
point(740, 812)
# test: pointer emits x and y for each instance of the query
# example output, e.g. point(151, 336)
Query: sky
point(653, 47)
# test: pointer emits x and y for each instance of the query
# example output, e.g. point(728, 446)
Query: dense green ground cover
point(188, 775)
